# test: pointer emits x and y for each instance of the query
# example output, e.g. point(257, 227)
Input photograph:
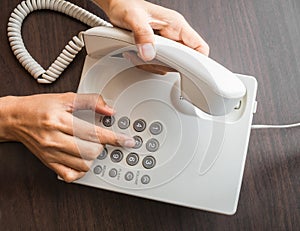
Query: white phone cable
point(69, 52)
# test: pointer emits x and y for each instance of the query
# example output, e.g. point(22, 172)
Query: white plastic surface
point(203, 170)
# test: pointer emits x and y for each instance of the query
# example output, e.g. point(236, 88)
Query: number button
point(102, 155)
point(149, 162)
point(132, 159)
point(156, 128)
point(116, 156)
point(108, 121)
point(124, 122)
point(145, 179)
point(129, 176)
point(138, 142)
point(152, 145)
point(113, 172)
point(98, 169)
point(139, 125)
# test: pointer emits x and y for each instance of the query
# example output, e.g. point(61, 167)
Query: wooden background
point(255, 37)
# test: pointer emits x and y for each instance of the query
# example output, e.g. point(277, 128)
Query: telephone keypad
point(142, 157)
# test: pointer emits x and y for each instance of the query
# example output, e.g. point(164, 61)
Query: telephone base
point(200, 159)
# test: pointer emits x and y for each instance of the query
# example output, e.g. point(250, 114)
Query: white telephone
point(188, 152)
point(191, 127)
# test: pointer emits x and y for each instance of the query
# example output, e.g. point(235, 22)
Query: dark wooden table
point(260, 38)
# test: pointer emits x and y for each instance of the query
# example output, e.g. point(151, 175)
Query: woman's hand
point(143, 17)
point(46, 126)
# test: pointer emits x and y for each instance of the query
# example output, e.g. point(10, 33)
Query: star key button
point(108, 121)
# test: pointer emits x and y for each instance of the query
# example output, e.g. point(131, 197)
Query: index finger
point(87, 131)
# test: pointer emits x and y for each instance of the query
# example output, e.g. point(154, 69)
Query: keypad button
point(129, 176)
point(102, 155)
point(98, 169)
point(138, 142)
point(149, 162)
point(108, 121)
point(124, 122)
point(156, 128)
point(113, 172)
point(116, 156)
point(139, 125)
point(152, 145)
point(145, 179)
point(132, 159)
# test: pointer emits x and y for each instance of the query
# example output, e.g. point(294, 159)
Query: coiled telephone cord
point(70, 50)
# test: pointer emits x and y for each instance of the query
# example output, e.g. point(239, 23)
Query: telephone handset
point(220, 89)
point(188, 152)
point(191, 127)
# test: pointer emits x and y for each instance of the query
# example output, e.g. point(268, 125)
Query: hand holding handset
point(188, 152)
point(211, 87)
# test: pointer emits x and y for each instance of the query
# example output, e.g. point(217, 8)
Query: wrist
point(8, 106)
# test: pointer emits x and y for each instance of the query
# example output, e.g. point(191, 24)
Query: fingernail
point(126, 141)
point(129, 143)
point(146, 51)
point(109, 109)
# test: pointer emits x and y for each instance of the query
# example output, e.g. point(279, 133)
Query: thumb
point(144, 38)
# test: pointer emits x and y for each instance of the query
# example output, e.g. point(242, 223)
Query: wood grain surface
point(255, 37)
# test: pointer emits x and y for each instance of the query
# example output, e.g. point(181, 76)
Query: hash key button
point(139, 125)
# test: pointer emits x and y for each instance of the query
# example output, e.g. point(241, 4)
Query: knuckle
point(50, 120)
point(178, 16)
point(48, 142)
point(69, 176)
